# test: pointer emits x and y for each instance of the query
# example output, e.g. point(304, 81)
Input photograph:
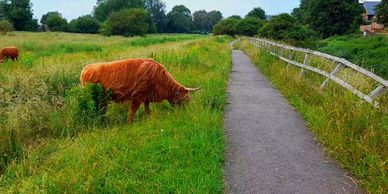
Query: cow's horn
point(193, 89)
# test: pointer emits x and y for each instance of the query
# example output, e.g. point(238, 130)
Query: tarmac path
point(269, 148)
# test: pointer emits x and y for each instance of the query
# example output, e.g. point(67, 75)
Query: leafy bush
point(84, 24)
point(286, 28)
point(88, 105)
point(5, 27)
point(226, 27)
point(53, 21)
point(331, 17)
point(257, 13)
point(382, 12)
point(179, 20)
point(128, 22)
point(249, 26)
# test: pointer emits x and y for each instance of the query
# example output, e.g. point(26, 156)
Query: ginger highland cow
point(140, 80)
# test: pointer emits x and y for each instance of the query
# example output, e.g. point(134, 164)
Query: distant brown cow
point(140, 80)
point(9, 52)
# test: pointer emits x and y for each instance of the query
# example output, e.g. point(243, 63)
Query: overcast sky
point(71, 9)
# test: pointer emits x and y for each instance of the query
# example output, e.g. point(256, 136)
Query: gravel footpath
point(269, 148)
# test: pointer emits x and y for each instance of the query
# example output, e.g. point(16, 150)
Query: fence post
point(305, 62)
point(281, 52)
point(377, 92)
point(336, 70)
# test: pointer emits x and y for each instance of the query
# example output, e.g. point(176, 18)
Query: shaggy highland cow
point(9, 52)
point(140, 80)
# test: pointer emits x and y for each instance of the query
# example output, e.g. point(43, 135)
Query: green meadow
point(46, 147)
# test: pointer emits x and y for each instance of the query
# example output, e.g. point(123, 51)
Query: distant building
point(370, 7)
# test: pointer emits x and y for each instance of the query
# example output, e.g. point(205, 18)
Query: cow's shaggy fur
point(9, 52)
point(140, 80)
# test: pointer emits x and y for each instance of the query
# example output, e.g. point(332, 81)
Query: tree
point(204, 21)
point(331, 17)
point(286, 28)
point(84, 24)
point(182, 9)
point(32, 25)
point(53, 21)
point(127, 22)
point(72, 26)
point(249, 26)
point(105, 7)
point(226, 27)
point(382, 12)
point(200, 20)
point(297, 14)
point(213, 17)
point(5, 26)
point(43, 19)
point(257, 13)
point(19, 12)
point(4, 8)
point(235, 17)
point(179, 20)
point(157, 9)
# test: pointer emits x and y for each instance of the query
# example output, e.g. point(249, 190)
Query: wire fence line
point(339, 64)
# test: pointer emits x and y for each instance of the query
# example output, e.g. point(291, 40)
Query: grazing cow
point(9, 52)
point(140, 80)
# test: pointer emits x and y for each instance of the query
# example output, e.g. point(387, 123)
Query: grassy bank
point(369, 52)
point(352, 131)
point(173, 150)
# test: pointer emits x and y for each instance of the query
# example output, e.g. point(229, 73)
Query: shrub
point(249, 26)
point(331, 17)
point(84, 24)
point(87, 105)
point(226, 27)
point(257, 13)
point(286, 28)
point(127, 22)
point(5, 27)
point(54, 21)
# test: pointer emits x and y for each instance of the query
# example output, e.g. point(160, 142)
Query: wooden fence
point(339, 64)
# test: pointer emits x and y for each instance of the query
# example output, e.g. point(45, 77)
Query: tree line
point(113, 17)
point(314, 19)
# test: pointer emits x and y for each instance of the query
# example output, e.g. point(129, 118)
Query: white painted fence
point(277, 50)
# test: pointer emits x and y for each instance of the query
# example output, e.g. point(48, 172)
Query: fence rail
point(277, 50)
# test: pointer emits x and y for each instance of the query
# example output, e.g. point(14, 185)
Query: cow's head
point(182, 96)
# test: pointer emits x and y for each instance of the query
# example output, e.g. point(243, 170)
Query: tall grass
point(52, 146)
point(352, 131)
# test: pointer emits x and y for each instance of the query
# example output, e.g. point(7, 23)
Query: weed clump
point(87, 105)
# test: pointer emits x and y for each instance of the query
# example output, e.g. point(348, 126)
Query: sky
point(72, 9)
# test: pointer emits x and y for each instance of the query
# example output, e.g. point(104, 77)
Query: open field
point(45, 149)
point(370, 52)
point(352, 131)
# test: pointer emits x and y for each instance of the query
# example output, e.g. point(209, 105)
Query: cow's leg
point(147, 107)
point(134, 107)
